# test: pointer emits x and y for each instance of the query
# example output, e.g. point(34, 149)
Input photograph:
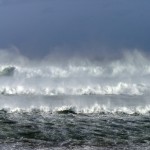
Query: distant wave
point(131, 65)
point(129, 75)
point(120, 88)
point(7, 71)
point(116, 69)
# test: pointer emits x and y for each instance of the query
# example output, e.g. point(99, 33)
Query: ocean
point(75, 104)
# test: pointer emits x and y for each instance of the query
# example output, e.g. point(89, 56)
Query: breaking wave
point(104, 110)
point(128, 75)
point(95, 109)
point(79, 104)
point(7, 71)
point(119, 89)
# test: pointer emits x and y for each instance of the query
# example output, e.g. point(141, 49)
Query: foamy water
point(75, 104)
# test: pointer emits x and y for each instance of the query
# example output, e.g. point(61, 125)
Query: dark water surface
point(84, 126)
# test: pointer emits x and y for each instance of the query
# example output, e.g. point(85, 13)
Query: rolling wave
point(119, 89)
point(103, 109)
point(129, 75)
point(7, 71)
point(83, 104)
point(95, 109)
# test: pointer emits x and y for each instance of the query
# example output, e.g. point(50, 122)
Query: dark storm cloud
point(39, 27)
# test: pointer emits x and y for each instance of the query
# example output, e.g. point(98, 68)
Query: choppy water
point(91, 122)
point(77, 104)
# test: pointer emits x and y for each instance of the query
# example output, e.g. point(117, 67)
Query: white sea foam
point(127, 75)
point(120, 88)
point(95, 109)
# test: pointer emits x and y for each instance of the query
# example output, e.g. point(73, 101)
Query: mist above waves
point(68, 28)
point(128, 74)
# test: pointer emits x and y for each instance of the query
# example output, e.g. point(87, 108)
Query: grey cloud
point(84, 27)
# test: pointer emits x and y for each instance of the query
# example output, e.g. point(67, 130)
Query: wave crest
point(95, 109)
point(128, 75)
point(119, 89)
point(7, 71)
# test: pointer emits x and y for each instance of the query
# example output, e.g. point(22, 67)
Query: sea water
point(76, 104)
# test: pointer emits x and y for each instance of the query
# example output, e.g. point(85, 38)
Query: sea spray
point(77, 104)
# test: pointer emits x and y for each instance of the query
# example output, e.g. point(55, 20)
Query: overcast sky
point(69, 27)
